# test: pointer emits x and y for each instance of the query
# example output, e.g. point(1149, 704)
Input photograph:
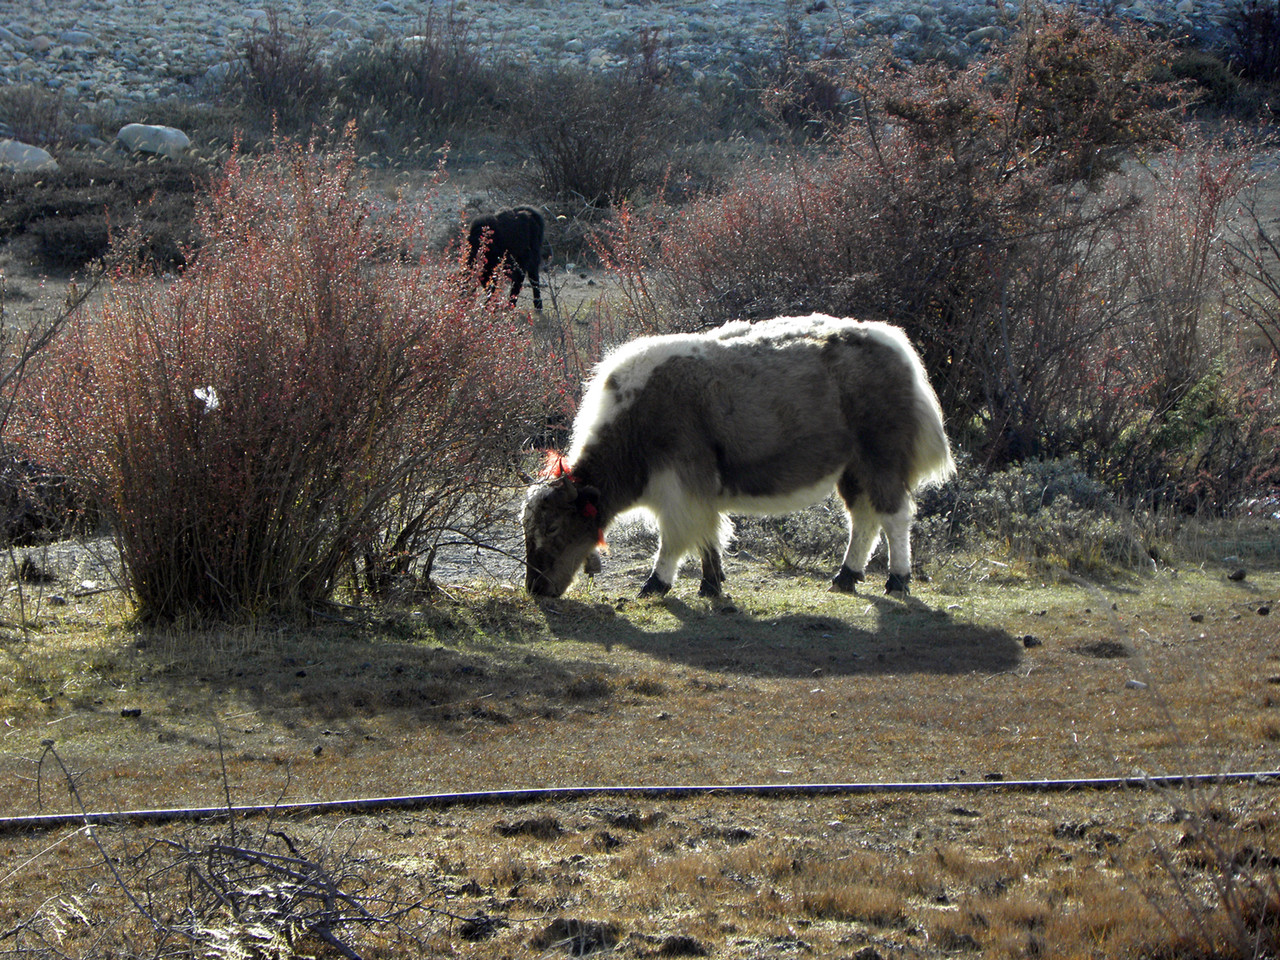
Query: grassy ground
point(988, 671)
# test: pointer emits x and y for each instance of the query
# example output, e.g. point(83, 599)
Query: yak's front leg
point(712, 573)
point(517, 281)
point(665, 566)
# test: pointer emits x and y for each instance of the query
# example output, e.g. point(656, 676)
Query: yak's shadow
point(856, 634)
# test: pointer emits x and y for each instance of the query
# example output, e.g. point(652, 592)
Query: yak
point(512, 238)
point(748, 418)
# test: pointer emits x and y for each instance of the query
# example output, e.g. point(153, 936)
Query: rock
point(337, 20)
point(984, 35)
point(77, 38)
point(220, 72)
point(24, 158)
point(1238, 574)
point(154, 138)
point(40, 42)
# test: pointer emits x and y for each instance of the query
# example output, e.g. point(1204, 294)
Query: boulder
point(337, 20)
point(24, 158)
point(153, 138)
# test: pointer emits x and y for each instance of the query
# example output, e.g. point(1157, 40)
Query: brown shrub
point(286, 407)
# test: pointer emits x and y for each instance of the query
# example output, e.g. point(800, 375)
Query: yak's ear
point(555, 466)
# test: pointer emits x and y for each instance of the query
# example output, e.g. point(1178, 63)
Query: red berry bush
point(296, 405)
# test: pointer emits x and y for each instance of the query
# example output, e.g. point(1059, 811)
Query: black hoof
point(653, 587)
point(846, 580)
point(709, 588)
point(898, 583)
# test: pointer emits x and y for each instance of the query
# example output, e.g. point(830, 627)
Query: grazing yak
point(760, 418)
point(512, 238)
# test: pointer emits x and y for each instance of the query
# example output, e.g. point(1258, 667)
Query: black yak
point(760, 418)
point(512, 238)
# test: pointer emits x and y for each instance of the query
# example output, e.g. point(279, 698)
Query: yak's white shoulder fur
point(620, 376)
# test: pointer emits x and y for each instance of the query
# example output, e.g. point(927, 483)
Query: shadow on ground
point(871, 636)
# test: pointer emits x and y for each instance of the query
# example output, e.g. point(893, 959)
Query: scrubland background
point(265, 445)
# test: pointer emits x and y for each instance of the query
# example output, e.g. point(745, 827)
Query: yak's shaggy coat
point(760, 418)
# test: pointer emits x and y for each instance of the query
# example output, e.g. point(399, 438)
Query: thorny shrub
point(290, 406)
point(282, 75)
point(1254, 50)
point(1174, 408)
point(435, 79)
point(596, 138)
point(1057, 306)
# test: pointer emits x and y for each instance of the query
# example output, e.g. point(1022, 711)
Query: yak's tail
point(931, 460)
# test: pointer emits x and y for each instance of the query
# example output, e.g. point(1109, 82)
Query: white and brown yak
point(749, 418)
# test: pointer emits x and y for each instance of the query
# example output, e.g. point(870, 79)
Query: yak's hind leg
point(864, 534)
point(885, 506)
point(897, 531)
point(712, 573)
point(535, 285)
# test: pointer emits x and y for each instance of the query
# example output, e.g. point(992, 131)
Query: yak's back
point(816, 377)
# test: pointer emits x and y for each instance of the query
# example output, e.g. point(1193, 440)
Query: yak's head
point(561, 533)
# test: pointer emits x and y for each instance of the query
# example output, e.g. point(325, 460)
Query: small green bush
point(1211, 79)
point(71, 242)
point(34, 114)
point(432, 83)
point(1042, 512)
point(282, 77)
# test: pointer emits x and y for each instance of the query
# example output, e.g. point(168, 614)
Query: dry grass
point(783, 683)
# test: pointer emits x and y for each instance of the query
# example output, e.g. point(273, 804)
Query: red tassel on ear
point(555, 466)
point(589, 511)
